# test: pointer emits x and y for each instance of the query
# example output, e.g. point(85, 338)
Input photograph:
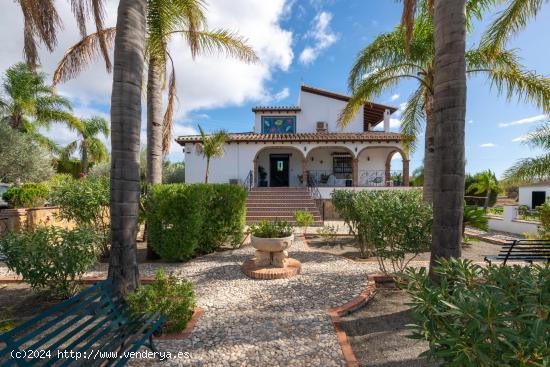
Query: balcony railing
point(327, 178)
point(377, 178)
point(367, 178)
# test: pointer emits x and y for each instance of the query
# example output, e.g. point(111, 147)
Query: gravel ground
point(378, 335)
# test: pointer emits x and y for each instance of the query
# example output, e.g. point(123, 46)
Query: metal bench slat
point(142, 341)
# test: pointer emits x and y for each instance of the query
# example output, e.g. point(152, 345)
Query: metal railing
point(316, 195)
point(377, 178)
point(327, 178)
point(248, 182)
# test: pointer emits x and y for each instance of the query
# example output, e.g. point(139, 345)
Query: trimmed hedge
point(30, 195)
point(187, 220)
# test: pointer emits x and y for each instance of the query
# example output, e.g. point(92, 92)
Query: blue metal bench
point(93, 328)
point(523, 250)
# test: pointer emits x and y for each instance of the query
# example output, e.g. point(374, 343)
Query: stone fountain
point(271, 260)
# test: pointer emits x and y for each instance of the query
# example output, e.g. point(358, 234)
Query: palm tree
point(42, 22)
point(125, 134)
point(28, 104)
point(211, 146)
point(474, 217)
point(90, 146)
point(385, 62)
point(486, 182)
point(537, 168)
point(165, 19)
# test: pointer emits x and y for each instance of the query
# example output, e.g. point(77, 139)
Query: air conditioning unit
point(322, 127)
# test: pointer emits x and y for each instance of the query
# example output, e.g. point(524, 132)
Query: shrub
point(51, 258)
point(476, 316)
point(184, 220)
point(328, 233)
point(389, 224)
point(303, 218)
point(168, 296)
point(86, 202)
point(30, 195)
point(275, 229)
point(475, 217)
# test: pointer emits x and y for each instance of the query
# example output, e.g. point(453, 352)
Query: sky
point(298, 41)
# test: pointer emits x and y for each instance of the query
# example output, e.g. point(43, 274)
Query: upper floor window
point(278, 124)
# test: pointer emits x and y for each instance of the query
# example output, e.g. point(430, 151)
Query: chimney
point(387, 120)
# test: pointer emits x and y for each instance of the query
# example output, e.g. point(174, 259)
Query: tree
point(386, 62)
point(41, 23)
point(485, 182)
point(28, 104)
point(474, 217)
point(537, 168)
point(22, 158)
point(125, 134)
point(165, 18)
point(211, 146)
point(90, 146)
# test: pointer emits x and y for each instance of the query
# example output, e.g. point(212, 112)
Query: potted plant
point(324, 178)
point(271, 239)
point(263, 177)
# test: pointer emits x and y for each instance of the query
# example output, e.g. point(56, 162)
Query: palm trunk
point(125, 134)
point(487, 198)
point(154, 122)
point(84, 160)
point(429, 137)
point(207, 169)
point(449, 119)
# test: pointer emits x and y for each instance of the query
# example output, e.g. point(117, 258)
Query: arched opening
point(380, 166)
point(331, 166)
point(397, 177)
point(278, 166)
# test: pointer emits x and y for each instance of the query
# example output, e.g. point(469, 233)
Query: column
point(387, 175)
point(355, 171)
point(304, 172)
point(255, 173)
point(406, 172)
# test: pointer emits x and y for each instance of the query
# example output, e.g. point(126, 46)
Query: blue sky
point(310, 41)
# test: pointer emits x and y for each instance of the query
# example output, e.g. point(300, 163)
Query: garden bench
point(522, 250)
point(92, 328)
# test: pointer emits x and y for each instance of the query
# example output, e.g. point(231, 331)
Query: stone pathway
point(266, 322)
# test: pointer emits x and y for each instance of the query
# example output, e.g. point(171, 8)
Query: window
point(342, 165)
point(278, 124)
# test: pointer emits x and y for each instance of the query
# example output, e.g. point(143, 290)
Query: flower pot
point(272, 244)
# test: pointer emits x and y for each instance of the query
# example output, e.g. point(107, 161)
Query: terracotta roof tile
point(302, 137)
point(276, 108)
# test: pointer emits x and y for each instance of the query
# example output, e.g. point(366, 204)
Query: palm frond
point(168, 120)
point(413, 117)
point(211, 146)
point(407, 19)
point(98, 151)
point(529, 169)
point(540, 137)
point(78, 57)
point(66, 152)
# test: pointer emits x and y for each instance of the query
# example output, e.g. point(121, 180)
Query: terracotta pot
point(272, 244)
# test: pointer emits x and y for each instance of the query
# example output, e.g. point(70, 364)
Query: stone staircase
point(272, 203)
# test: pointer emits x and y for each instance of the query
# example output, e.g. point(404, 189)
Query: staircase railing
point(316, 195)
point(248, 182)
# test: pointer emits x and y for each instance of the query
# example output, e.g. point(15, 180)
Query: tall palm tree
point(484, 182)
point(211, 146)
point(537, 168)
point(90, 146)
point(28, 104)
point(386, 62)
point(42, 22)
point(125, 135)
point(165, 18)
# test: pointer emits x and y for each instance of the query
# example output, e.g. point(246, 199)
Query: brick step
point(318, 223)
point(278, 189)
point(288, 218)
point(279, 195)
point(279, 200)
point(281, 206)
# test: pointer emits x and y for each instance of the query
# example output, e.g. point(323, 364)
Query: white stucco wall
point(509, 222)
point(526, 194)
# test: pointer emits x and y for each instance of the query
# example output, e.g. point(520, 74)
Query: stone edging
point(188, 329)
point(335, 314)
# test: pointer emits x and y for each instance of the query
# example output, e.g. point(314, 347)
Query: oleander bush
point(395, 226)
point(185, 220)
point(29, 195)
point(304, 219)
point(271, 229)
point(51, 258)
point(328, 233)
point(85, 202)
point(482, 316)
point(167, 295)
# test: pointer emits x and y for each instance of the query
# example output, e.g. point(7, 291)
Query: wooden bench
point(93, 328)
point(523, 250)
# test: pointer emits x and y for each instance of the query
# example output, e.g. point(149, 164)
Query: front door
point(278, 172)
point(538, 198)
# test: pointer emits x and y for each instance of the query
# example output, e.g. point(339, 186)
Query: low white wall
point(510, 223)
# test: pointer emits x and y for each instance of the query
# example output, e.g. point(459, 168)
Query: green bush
point(172, 298)
point(275, 229)
point(475, 217)
point(303, 218)
point(30, 195)
point(387, 223)
point(51, 258)
point(477, 316)
point(328, 233)
point(86, 202)
point(186, 220)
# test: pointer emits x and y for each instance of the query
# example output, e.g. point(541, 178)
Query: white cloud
point(487, 145)
point(521, 138)
point(527, 120)
point(323, 36)
point(283, 94)
point(470, 121)
point(208, 82)
point(394, 97)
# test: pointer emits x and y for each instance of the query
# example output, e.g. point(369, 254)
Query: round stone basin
point(272, 244)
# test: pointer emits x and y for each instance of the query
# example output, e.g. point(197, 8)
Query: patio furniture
point(522, 250)
point(91, 328)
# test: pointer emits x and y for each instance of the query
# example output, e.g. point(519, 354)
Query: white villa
point(293, 146)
